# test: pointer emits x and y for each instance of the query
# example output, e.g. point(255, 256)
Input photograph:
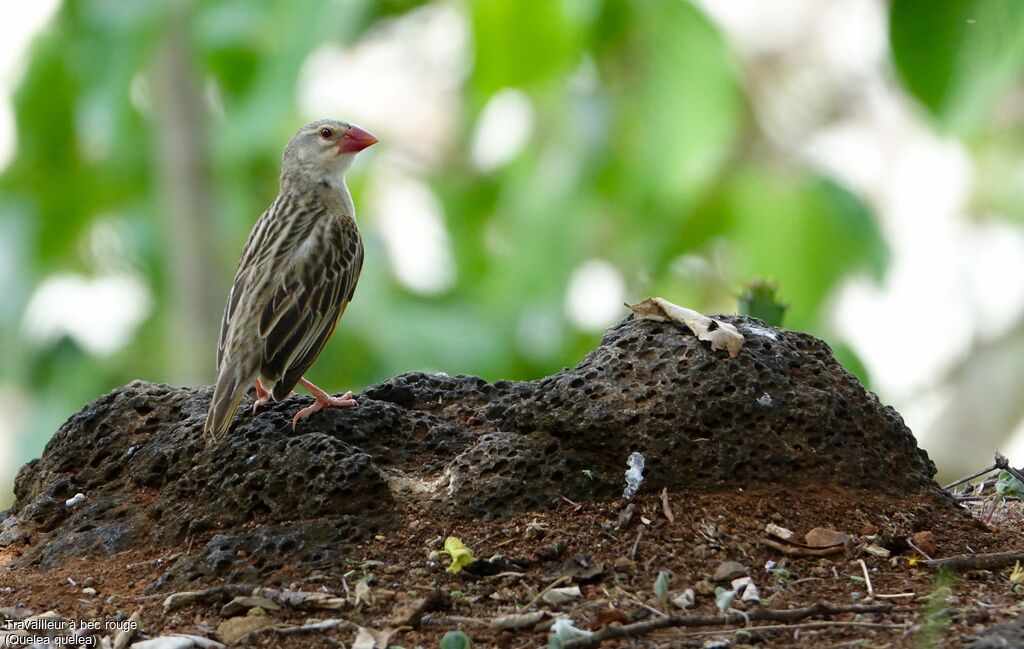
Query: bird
point(297, 273)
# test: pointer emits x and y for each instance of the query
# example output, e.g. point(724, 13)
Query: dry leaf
point(372, 638)
point(721, 335)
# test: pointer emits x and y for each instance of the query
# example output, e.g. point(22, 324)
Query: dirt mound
point(781, 412)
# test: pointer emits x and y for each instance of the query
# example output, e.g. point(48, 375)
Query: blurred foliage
point(958, 58)
point(657, 167)
point(761, 300)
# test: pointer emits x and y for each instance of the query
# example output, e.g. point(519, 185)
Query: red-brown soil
point(708, 529)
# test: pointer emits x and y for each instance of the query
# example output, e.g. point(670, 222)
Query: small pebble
point(91, 592)
point(729, 570)
point(704, 587)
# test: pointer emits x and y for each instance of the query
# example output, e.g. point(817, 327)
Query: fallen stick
point(558, 582)
point(976, 561)
point(867, 577)
point(323, 625)
point(212, 595)
point(976, 474)
point(757, 615)
point(295, 599)
point(803, 625)
point(666, 507)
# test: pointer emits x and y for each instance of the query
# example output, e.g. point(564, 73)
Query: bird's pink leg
point(323, 400)
point(262, 396)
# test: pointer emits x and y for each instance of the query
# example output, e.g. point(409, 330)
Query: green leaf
point(760, 299)
point(804, 232)
point(521, 43)
point(661, 587)
point(958, 57)
point(679, 105)
point(455, 640)
point(1007, 485)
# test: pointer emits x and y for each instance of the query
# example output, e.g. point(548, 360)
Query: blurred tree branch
point(184, 186)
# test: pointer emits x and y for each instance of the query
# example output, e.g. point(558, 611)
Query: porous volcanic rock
point(783, 411)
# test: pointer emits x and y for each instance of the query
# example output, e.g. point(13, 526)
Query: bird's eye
point(326, 133)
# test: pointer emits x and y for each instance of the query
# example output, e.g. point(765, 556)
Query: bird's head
point(322, 151)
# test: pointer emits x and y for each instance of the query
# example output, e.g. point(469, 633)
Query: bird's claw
point(344, 401)
point(262, 401)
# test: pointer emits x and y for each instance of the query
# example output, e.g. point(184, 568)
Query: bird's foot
point(322, 401)
point(262, 396)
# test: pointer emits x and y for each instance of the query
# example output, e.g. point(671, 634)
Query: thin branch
point(803, 625)
point(666, 507)
point(989, 561)
point(976, 474)
point(558, 582)
point(322, 625)
point(867, 577)
point(763, 614)
point(636, 544)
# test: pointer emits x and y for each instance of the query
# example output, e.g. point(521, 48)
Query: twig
point(636, 601)
point(462, 619)
point(139, 564)
point(974, 475)
point(762, 614)
point(867, 577)
point(666, 507)
point(175, 601)
point(976, 561)
point(894, 595)
point(561, 580)
point(636, 544)
point(507, 573)
point(295, 599)
point(315, 627)
point(322, 625)
point(802, 625)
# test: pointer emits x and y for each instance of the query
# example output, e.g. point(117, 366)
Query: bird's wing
point(305, 307)
point(274, 238)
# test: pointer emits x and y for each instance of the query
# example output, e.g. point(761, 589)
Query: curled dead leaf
point(721, 335)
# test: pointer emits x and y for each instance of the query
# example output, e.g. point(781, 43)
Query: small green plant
point(455, 640)
point(760, 299)
point(1009, 486)
point(661, 588)
point(935, 619)
point(723, 599)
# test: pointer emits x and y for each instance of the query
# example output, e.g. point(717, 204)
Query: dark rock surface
point(783, 411)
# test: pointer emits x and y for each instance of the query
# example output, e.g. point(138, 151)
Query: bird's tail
point(227, 394)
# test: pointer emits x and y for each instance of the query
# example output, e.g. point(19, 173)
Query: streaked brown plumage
point(297, 274)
